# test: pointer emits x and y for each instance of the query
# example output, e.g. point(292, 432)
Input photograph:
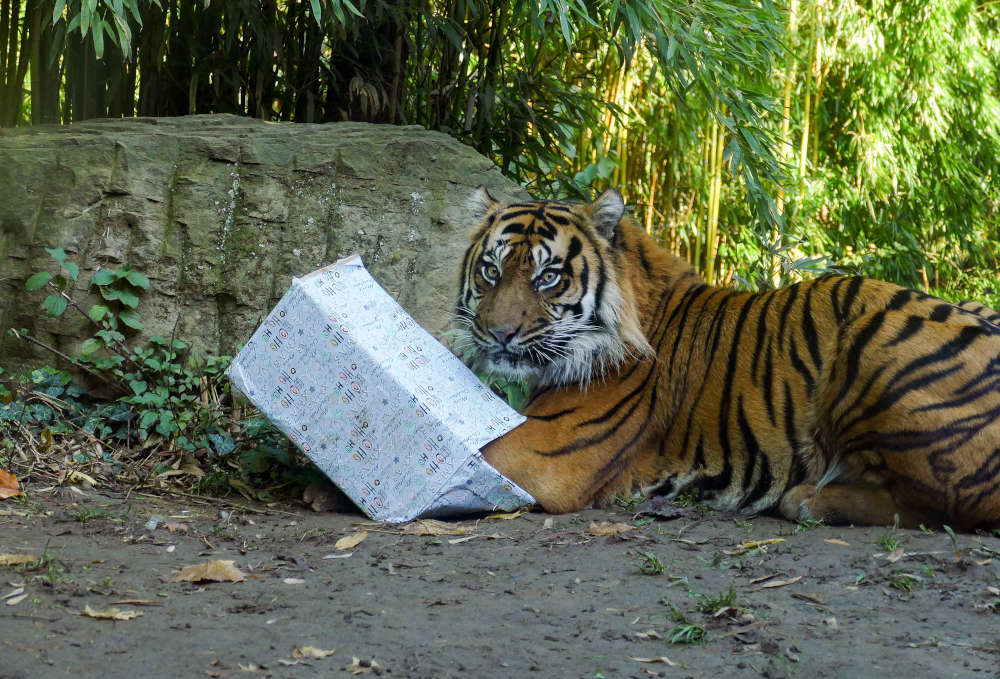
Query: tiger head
point(545, 296)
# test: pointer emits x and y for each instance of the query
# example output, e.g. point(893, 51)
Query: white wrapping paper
point(381, 407)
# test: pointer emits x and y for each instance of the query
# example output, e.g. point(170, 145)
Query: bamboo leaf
point(99, 28)
point(317, 12)
point(57, 11)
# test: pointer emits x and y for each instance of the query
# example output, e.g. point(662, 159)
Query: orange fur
point(842, 399)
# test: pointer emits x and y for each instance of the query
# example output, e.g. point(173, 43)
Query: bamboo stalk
point(5, 19)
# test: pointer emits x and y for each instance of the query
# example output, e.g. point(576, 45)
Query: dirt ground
point(535, 595)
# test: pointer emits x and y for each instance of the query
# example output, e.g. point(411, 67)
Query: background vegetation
point(752, 138)
point(759, 141)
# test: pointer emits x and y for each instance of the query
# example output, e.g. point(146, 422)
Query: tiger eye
point(490, 271)
point(547, 278)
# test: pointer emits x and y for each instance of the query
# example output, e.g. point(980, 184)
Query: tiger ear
point(607, 211)
point(480, 202)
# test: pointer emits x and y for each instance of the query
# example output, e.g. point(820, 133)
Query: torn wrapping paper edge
point(382, 408)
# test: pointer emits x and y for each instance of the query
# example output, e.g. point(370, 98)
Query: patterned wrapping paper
point(381, 407)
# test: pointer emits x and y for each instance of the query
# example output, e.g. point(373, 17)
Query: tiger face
point(542, 297)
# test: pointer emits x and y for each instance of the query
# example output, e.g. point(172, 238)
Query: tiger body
point(842, 399)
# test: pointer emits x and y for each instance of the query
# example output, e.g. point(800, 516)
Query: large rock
point(221, 211)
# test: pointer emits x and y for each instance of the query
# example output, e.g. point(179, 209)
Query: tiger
point(839, 399)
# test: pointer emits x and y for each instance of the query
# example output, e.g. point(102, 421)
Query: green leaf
point(57, 254)
point(37, 280)
point(103, 277)
point(317, 12)
point(110, 293)
point(97, 312)
point(148, 418)
point(223, 444)
point(130, 317)
point(166, 425)
point(128, 298)
point(72, 269)
point(57, 11)
point(99, 28)
point(138, 386)
point(90, 345)
point(137, 279)
point(54, 305)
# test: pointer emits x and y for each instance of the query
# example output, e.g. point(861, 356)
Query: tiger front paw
point(795, 503)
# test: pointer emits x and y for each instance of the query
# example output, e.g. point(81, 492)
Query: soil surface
point(534, 595)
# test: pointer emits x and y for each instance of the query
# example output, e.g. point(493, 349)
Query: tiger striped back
point(843, 399)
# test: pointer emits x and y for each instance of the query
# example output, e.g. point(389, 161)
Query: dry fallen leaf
point(780, 583)
point(895, 555)
point(547, 523)
point(177, 527)
point(311, 652)
point(350, 541)
point(110, 614)
point(434, 527)
point(79, 477)
point(647, 635)
point(362, 666)
point(458, 541)
point(745, 547)
point(663, 659)
point(16, 559)
point(506, 517)
point(209, 571)
point(608, 528)
point(15, 600)
point(8, 485)
point(836, 541)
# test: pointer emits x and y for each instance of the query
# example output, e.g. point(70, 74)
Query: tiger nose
point(504, 334)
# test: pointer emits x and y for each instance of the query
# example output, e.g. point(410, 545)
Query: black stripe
point(852, 292)
point(761, 333)
point(754, 454)
point(809, 330)
point(801, 368)
point(727, 387)
point(769, 381)
point(899, 300)
point(911, 327)
point(860, 343)
point(941, 313)
point(786, 310)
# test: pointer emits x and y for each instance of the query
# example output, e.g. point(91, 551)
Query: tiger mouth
point(502, 358)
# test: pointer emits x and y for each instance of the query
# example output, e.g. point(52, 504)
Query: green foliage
point(167, 397)
point(685, 499)
point(684, 631)
point(710, 605)
point(875, 124)
point(101, 19)
point(889, 542)
point(649, 563)
point(904, 582)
